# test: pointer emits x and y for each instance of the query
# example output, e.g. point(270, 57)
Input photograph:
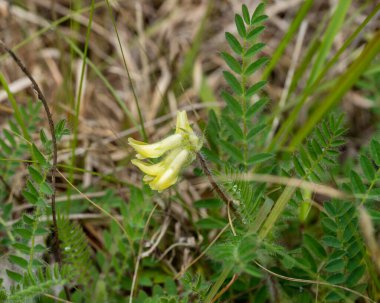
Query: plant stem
point(41, 97)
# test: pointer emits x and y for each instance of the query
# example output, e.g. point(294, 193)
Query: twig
point(225, 288)
point(42, 98)
point(314, 282)
point(229, 203)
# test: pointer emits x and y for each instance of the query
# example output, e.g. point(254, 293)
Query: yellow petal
point(155, 150)
point(171, 172)
point(149, 169)
point(183, 124)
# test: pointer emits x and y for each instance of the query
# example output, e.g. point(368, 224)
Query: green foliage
point(239, 123)
point(287, 207)
point(75, 249)
point(32, 285)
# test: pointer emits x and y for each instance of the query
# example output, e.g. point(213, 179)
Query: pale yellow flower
point(155, 150)
point(179, 150)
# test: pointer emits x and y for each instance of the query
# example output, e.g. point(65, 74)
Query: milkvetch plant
point(178, 151)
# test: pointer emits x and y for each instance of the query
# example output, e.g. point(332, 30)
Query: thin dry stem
point(41, 97)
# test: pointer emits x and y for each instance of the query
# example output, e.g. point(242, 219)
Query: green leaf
point(259, 158)
point(304, 157)
point(256, 130)
point(39, 156)
point(232, 150)
point(336, 278)
point(231, 62)
point(31, 188)
point(240, 26)
point(331, 241)
point(254, 49)
point(210, 223)
point(298, 167)
point(43, 137)
point(18, 261)
point(255, 88)
point(355, 276)
point(208, 203)
point(23, 232)
point(21, 247)
point(234, 43)
point(46, 189)
point(4, 147)
point(256, 107)
point(233, 82)
point(357, 183)
point(335, 265)
point(9, 137)
point(367, 168)
point(252, 270)
point(258, 11)
point(35, 174)
point(246, 16)
point(254, 66)
point(314, 246)
point(259, 19)
point(233, 128)
point(329, 224)
point(374, 148)
point(14, 275)
point(255, 32)
point(27, 219)
point(30, 197)
point(61, 130)
point(232, 103)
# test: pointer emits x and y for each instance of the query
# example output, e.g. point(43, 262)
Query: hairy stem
point(227, 200)
point(41, 97)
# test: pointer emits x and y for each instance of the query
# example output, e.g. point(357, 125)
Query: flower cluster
point(179, 150)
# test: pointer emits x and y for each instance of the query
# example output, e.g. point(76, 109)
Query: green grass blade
point(108, 85)
point(345, 82)
point(288, 37)
point(143, 132)
point(328, 39)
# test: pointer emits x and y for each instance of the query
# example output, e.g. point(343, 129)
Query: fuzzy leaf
point(375, 151)
point(234, 43)
point(258, 11)
point(256, 130)
point(240, 26)
point(259, 19)
point(18, 261)
point(9, 137)
point(232, 103)
point(367, 168)
point(256, 107)
point(14, 275)
point(357, 183)
point(233, 128)
point(39, 156)
point(314, 246)
point(246, 16)
point(255, 88)
point(232, 63)
point(35, 174)
point(255, 32)
point(233, 82)
point(254, 49)
point(259, 158)
point(254, 66)
point(335, 265)
point(232, 150)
